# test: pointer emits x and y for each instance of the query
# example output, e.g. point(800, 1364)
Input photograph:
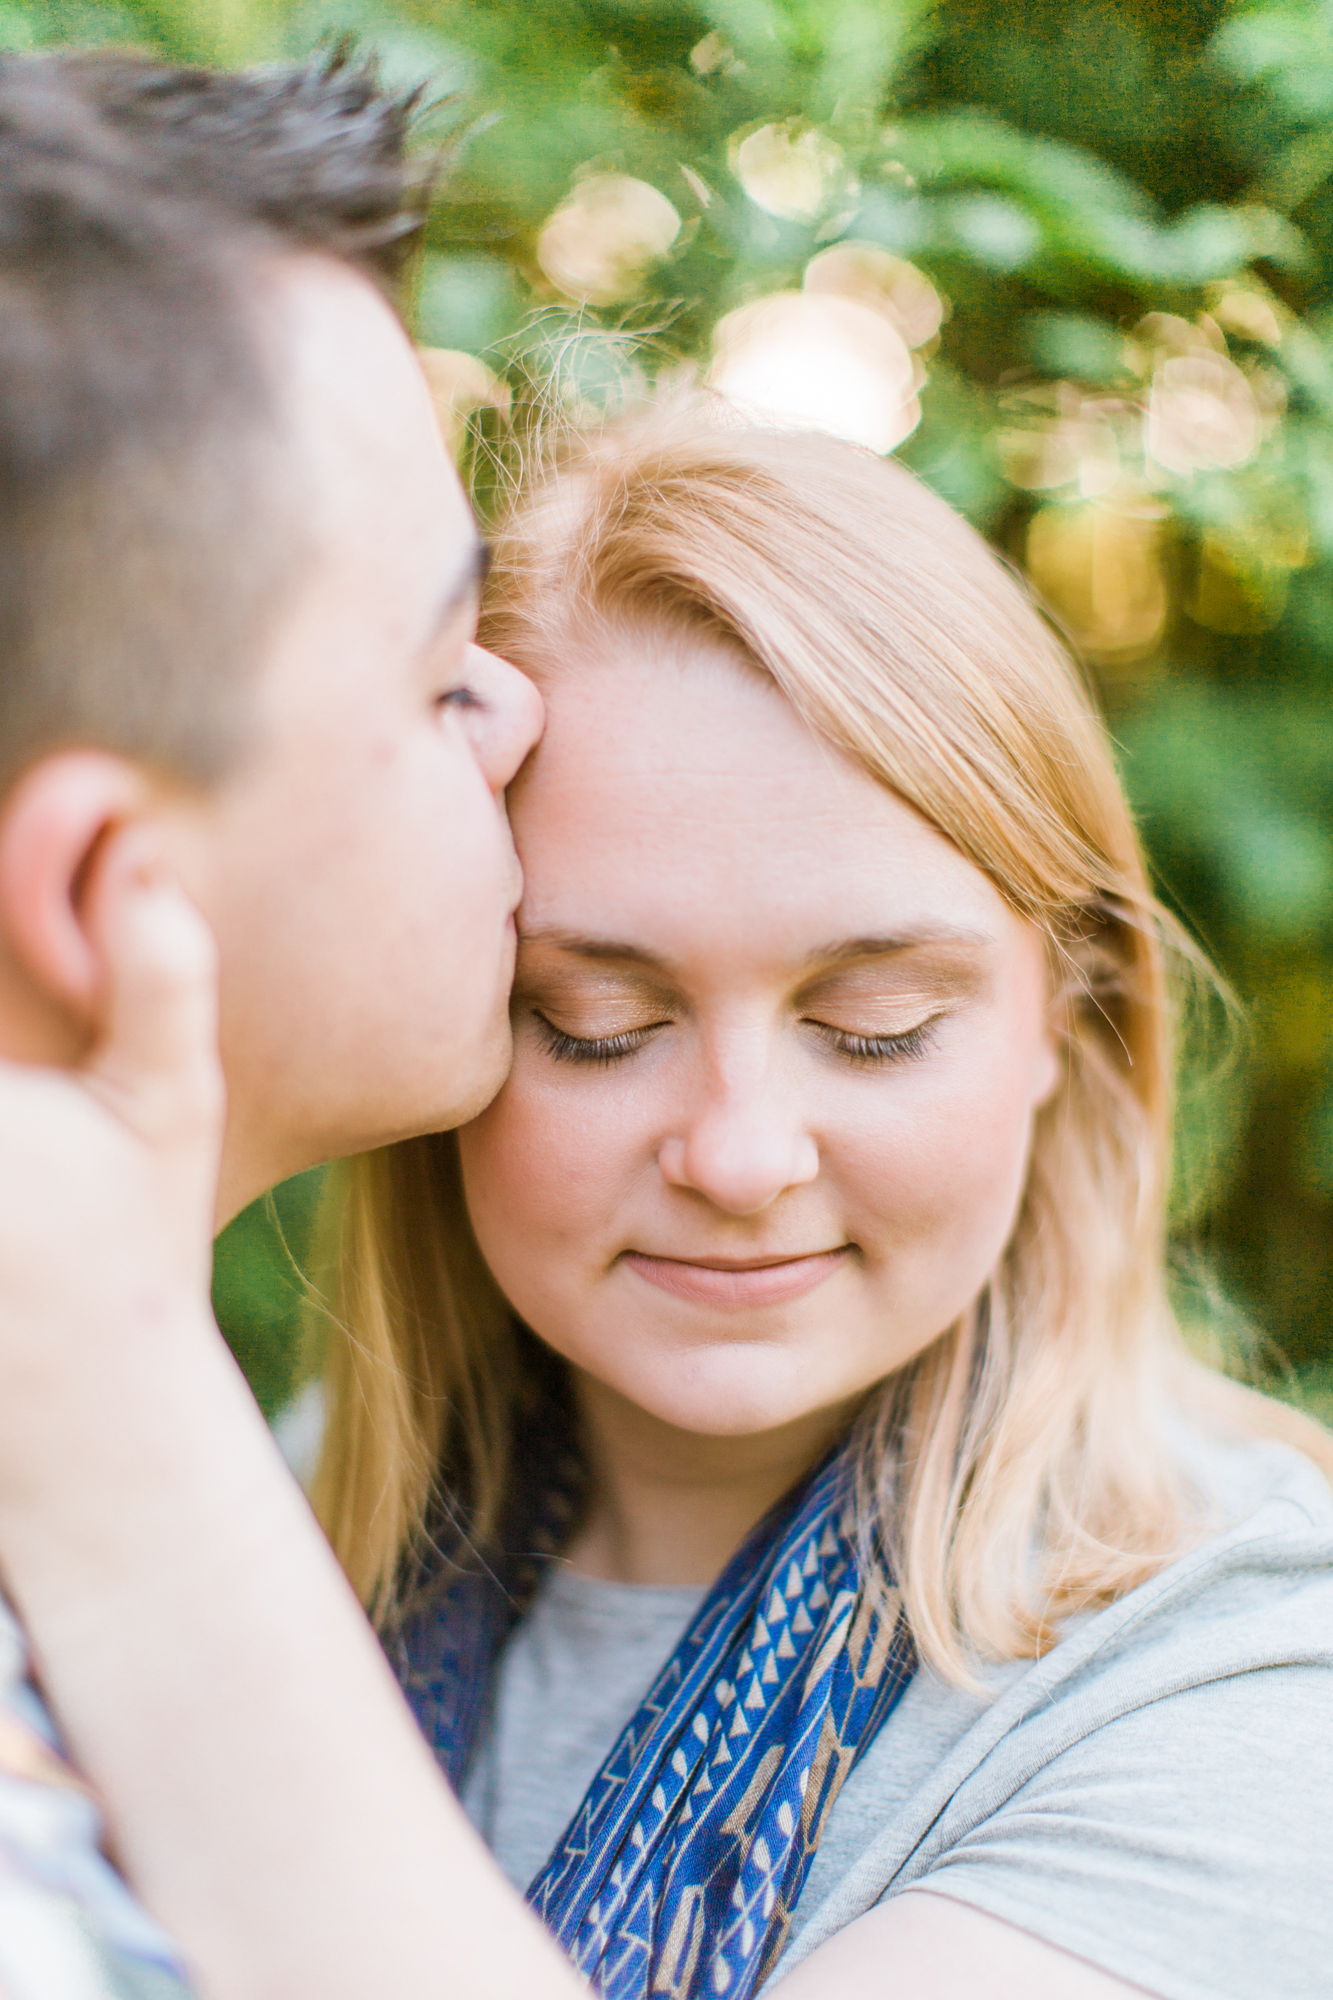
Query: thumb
point(154, 1059)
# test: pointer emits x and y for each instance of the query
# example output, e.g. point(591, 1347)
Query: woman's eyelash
point(882, 1048)
point(604, 1049)
point(589, 1048)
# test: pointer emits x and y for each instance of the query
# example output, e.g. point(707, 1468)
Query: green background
point(1058, 172)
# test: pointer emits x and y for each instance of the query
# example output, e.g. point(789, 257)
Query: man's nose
point(741, 1150)
point(509, 719)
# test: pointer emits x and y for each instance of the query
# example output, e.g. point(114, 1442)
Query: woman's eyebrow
point(842, 951)
point(603, 951)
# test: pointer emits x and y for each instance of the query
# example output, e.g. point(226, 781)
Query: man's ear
point(54, 825)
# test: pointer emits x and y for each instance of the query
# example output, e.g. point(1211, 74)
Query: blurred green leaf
point(1289, 48)
point(17, 28)
point(1293, 174)
point(1310, 1389)
point(1317, 1149)
point(999, 234)
point(1277, 870)
point(1074, 344)
point(259, 1278)
point(466, 302)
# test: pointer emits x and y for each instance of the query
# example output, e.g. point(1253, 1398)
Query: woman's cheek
point(943, 1175)
point(542, 1165)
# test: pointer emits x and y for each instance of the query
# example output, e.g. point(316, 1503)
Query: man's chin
point(439, 1105)
point(479, 1080)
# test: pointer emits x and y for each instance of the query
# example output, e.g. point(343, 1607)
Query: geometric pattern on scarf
point(681, 1869)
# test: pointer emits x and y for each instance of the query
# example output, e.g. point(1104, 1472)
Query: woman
point(803, 1498)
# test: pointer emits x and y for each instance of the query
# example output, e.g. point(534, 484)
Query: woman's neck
point(671, 1506)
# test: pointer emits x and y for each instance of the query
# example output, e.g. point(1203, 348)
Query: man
point(238, 583)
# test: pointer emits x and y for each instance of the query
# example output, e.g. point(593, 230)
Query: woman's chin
point(729, 1392)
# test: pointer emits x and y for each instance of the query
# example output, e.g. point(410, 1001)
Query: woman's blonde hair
point(1038, 1420)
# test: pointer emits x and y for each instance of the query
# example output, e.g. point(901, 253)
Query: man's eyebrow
point(467, 582)
point(843, 951)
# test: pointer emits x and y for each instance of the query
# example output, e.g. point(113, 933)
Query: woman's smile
point(754, 1281)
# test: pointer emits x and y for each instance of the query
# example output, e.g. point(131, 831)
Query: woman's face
point(777, 1048)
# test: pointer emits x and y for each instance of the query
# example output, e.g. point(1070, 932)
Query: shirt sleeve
point(69, 1927)
point(1186, 1847)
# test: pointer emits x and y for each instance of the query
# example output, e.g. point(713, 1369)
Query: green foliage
point(260, 1269)
point(1127, 206)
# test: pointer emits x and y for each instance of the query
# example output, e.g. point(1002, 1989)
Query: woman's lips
point(717, 1283)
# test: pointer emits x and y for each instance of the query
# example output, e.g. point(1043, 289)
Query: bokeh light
point(1202, 414)
point(878, 279)
point(600, 244)
point(818, 361)
point(1099, 566)
point(1055, 435)
point(1248, 313)
point(459, 384)
point(793, 171)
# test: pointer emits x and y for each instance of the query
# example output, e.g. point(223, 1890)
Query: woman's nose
point(740, 1153)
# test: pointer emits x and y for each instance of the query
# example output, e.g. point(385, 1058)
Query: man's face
point(357, 867)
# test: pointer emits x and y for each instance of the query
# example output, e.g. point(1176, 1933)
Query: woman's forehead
point(676, 710)
point(684, 791)
point(655, 736)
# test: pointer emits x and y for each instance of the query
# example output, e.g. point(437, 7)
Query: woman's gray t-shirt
point(1156, 1794)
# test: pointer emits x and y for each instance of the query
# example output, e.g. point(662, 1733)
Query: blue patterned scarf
point(681, 1869)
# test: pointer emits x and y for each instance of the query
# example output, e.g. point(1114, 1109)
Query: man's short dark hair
point(146, 524)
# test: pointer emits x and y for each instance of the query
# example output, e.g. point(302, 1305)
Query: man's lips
point(716, 1281)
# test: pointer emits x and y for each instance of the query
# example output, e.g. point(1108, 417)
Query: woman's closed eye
point(864, 1050)
point(599, 1049)
point(869, 1050)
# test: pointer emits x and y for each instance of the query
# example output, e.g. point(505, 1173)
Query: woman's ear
point(1048, 1068)
point(54, 825)
point(1050, 1057)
